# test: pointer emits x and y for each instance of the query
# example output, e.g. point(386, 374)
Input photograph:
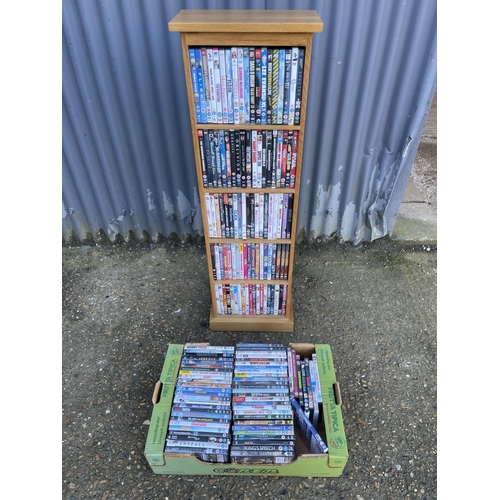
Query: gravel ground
point(375, 304)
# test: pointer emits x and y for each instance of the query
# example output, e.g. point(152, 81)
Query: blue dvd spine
point(194, 83)
point(201, 86)
point(246, 84)
point(263, 87)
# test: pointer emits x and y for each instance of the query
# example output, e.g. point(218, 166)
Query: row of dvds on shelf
point(236, 404)
point(248, 158)
point(259, 261)
point(251, 299)
point(249, 215)
point(245, 85)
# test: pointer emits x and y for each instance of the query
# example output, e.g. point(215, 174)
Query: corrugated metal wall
point(128, 162)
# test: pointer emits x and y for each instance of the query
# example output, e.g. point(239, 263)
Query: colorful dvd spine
point(193, 425)
point(281, 450)
point(276, 429)
point(229, 86)
point(223, 86)
point(211, 76)
point(249, 416)
point(254, 361)
point(307, 389)
point(300, 75)
point(281, 85)
point(275, 86)
point(217, 84)
point(235, 80)
point(251, 82)
point(192, 418)
point(259, 399)
point(249, 453)
point(256, 347)
point(207, 348)
point(194, 83)
point(241, 85)
point(266, 422)
point(290, 361)
point(315, 407)
point(196, 390)
point(258, 84)
point(197, 444)
point(206, 84)
point(195, 435)
point(259, 167)
point(286, 85)
point(183, 398)
point(262, 353)
point(287, 159)
point(209, 438)
point(305, 392)
point(227, 159)
point(263, 87)
point(299, 380)
point(293, 84)
point(246, 84)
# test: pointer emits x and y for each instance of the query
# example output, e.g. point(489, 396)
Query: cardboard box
point(306, 464)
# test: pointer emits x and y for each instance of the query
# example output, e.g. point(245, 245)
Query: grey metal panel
point(128, 162)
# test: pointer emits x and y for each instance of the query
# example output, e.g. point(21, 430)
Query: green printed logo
point(337, 442)
point(335, 420)
point(156, 430)
point(172, 370)
point(325, 362)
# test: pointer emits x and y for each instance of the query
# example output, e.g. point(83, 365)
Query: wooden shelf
point(247, 21)
point(249, 126)
point(248, 28)
point(252, 323)
point(232, 190)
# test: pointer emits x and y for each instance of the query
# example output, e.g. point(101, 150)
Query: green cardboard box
point(306, 464)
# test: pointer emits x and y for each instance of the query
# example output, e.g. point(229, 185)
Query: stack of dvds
point(263, 430)
point(200, 419)
point(306, 387)
point(306, 399)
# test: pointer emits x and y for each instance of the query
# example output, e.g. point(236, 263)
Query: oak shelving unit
point(248, 28)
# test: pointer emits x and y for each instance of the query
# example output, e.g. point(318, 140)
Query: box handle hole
point(157, 392)
point(336, 392)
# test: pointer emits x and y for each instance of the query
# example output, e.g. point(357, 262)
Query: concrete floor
point(417, 215)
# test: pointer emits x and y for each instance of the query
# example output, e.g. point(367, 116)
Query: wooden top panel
point(250, 21)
